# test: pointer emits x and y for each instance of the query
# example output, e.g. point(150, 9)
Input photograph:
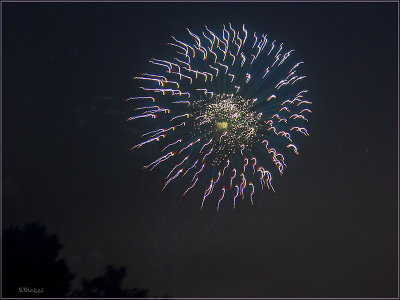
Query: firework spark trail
point(246, 161)
point(184, 102)
point(180, 116)
point(198, 172)
point(233, 177)
point(142, 116)
point(254, 165)
point(177, 166)
point(206, 144)
point(158, 161)
point(190, 187)
point(171, 144)
point(215, 182)
point(188, 146)
point(195, 163)
point(293, 147)
point(242, 185)
point(252, 192)
point(227, 164)
point(237, 194)
point(300, 129)
point(139, 98)
point(207, 193)
point(147, 107)
point(222, 79)
point(158, 131)
point(172, 178)
point(222, 197)
point(148, 141)
point(207, 154)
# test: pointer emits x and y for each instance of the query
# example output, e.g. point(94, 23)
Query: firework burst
point(225, 108)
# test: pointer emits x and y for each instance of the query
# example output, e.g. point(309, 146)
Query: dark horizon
point(330, 230)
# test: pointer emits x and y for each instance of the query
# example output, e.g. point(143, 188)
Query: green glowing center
point(222, 125)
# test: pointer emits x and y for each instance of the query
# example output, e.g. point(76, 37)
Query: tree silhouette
point(108, 285)
point(31, 269)
point(30, 264)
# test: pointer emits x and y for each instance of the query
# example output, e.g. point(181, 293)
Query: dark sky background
point(329, 231)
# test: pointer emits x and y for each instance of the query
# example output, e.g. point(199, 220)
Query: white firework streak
point(190, 145)
point(171, 144)
point(177, 166)
point(184, 102)
point(293, 147)
point(233, 177)
point(215, 182)
point(142, 116)
point(139, 98)
point(205, 61)
point(158, 131)
point(254, 165)
point(198, 172)
point(296, 116)
point(234, 198)
point(207, 154)
point(180, 116)
point(300, 129)
point(227, 164)
point(252, 192)
point(161, 80)
point(172, 178)
point(222, 197)
point(305, 110)
point(246, 161)
point(207, 193)
point(242, 185)
point(153, 164)
point(148, 107)
point(265, 178)
point(206, 144)
point(190, 187)
point(195, 163)
point(148, 141)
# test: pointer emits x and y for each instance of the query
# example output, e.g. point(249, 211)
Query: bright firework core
point(230, 121)
point(222, 125)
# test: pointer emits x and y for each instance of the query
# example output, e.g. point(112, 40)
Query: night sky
point(329, 231)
